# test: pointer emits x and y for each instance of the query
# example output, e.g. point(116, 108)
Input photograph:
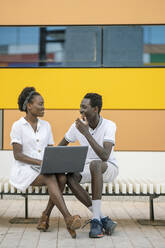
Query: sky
point(30, 35)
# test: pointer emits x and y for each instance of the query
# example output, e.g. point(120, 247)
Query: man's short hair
point(95, 100)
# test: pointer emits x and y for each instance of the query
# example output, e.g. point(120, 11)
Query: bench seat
point(121, 187)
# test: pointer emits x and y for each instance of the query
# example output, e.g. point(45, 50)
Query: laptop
point(63, 159)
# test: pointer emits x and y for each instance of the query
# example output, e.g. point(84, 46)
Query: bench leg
point(25, 220)
point(26, 206)
point(151, 199)
point(152, 220)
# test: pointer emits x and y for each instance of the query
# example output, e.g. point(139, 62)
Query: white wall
point(142, 165)
point(6, 160)
point(131, 164)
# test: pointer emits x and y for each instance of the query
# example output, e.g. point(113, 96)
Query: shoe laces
point(106, 219)
point(86, 223)
point(94, 223)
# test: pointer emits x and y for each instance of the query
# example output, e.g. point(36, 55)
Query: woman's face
point(36, 107)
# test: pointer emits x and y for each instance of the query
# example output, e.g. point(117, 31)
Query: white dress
point(33, 145)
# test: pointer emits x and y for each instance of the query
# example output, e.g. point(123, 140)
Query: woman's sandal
point(72, 233)
point(73, 223)
point(43, 223)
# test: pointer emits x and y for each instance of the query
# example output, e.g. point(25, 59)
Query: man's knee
point(73, 177)
point(95, 166)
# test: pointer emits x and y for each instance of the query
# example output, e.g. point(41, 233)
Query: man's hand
point(82, 127)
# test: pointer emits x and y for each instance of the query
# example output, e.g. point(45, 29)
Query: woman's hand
point(39, 162)
point(18, 155)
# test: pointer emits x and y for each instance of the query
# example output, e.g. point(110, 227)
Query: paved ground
point(127, 235)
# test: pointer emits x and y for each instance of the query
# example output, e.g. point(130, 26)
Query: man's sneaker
point(108, 225)
point(96, 229)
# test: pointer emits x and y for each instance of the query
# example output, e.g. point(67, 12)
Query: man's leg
point(97, 184)
point(96, 169)
point(73, 181)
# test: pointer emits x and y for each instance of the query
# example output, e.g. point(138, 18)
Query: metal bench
point(122, 187)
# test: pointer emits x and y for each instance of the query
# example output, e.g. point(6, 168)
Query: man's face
point(86, 110)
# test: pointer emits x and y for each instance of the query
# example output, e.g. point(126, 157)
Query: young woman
point(29, 137)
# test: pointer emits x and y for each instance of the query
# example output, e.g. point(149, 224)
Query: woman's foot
point(72, 233)
point(43, 223)
point(73, 223)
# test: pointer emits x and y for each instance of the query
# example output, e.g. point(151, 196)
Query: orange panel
point(137, 130)
point(88, 12)
point(60, 120)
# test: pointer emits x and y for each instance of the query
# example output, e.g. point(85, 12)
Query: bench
point(121, 187)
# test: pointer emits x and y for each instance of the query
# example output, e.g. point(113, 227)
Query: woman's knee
point(47, 178)
point(62, 179)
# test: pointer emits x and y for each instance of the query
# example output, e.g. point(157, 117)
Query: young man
point(99, 135)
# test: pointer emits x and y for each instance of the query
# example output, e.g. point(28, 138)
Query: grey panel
point(123, 46)
point(4, 49)
point(82, 46)
point(1, 126)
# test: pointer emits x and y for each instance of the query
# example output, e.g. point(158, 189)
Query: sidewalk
point(128, 233)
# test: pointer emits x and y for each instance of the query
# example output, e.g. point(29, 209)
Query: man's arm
point(102, 152)
point(18, 155)
point(63, 142)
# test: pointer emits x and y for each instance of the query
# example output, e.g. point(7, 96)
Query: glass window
point(122, 46)
point(82, 46)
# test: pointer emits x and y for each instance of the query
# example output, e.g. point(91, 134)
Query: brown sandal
point(43, 223)
point(72, 233)
point(73, 223)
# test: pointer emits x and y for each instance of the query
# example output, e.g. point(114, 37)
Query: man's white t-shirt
point(105, 131)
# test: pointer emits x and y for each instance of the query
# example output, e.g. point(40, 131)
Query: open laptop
point(63, 159)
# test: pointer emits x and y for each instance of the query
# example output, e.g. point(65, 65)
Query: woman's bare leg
point(61, 178)
point(72, 222)
point(54, 192)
